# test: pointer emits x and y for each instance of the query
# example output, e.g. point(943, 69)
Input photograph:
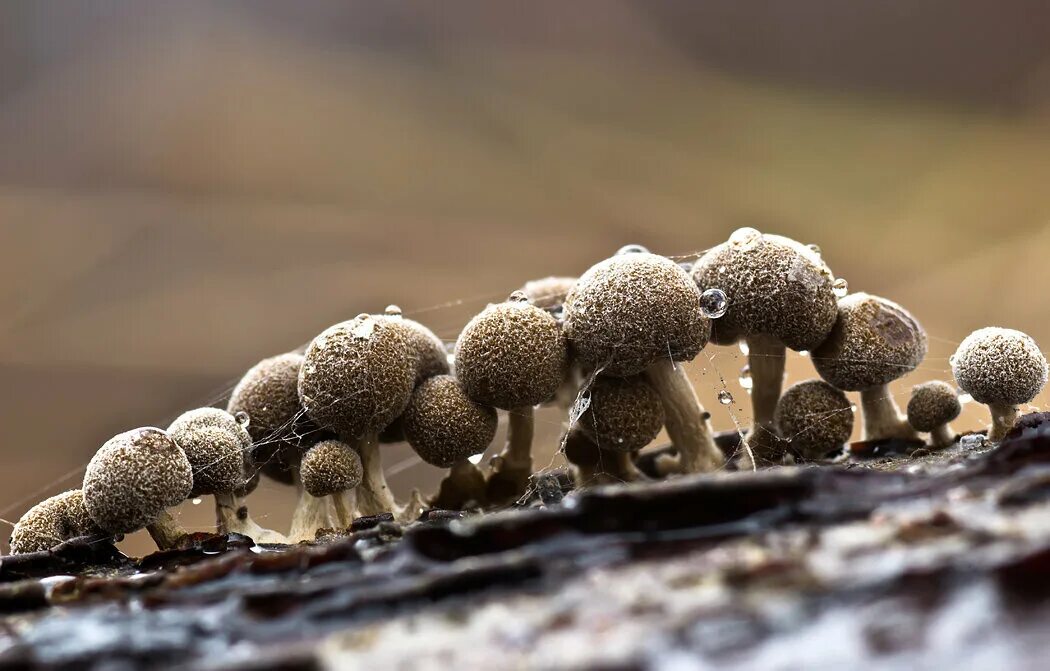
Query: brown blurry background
point(188, 187)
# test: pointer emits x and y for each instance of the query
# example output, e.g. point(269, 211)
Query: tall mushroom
point(638, 312)
point(814, 418)
point(874, 342)
point(512, 356)
point(1001, 368)
point(53, 521)
point(780, 296)
point(931, 407)
point(329, 471)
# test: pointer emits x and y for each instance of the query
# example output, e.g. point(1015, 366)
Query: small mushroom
point(1001, 368)
point(779, 296)
point(445, 428)
point(815, 418)
point(640, 313)
point(931, 407)
point(329, 471)
point(53, 521)
point(512, 356)
point(874, 342)
point(623, 416)
point(549, 293)
point(132, 481)
point(594, 465)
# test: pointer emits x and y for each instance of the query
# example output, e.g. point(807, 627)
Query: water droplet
point(392, 311)
point(965, 398)
point(804, 352)
point(745, 238)
point(518, 297)
point(815, 249)
point(713, 303)
point(745, 349)
point(724, 397)
point(951, 361)
point(745, 378)
point(971, 441)
point(364, 328)
point(476, 458)
point(242, 418)
point(632, 249)
point(840, 287)
point(196, 501)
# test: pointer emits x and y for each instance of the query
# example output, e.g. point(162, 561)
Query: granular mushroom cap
point(624, 414)
point(52, 521)
point(932, 404)
point(216, 456)
point(629, 311)
point(427, 351)
point(330, 467)
point(815, 416)
point(773, 285)
point(549, 293)
point(997, 365)
point(357, 376)
point(201, 418)
point(135, 477)
point(443, 425)
point(511, 355)
point(874, 341)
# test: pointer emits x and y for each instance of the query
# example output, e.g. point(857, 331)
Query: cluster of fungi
point(604, 347)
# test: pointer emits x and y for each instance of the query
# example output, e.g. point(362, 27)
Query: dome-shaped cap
point(269, 394)
point(874, 342)
point(631, 310)
point(997, 365)
point(52, 521)
point(932, 404)
point(816, 417)
point(444, 426)
point(357, 376)
point(549, 293)
point(624, 414)
point(330, 467)
point(773, 286)
point(426, 351)
point(511, 355)
point(135, 477)
point(216, 456)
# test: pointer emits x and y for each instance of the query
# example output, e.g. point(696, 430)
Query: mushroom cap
point(52, 521)
point(549, 293)
point(427, 351)
point(135, 477)
point(330, 467)
point(816, 417)
point(932, 404)
point(773, 285)
point(511, 355)
point(357, 376)
point(443, 425)
point(874, 342)
point(624, 414)
point(997, 365)
point(217, 446)
point(631, 310)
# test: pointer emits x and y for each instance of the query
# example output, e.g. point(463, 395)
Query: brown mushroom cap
point(135, 477)
point(816, 417)
point(774, 286)
point(444, 426)
point(932, 404)
point(357, 376)
point(216, 445)
point(549, 293)
point(624, 414)
point(52, 521)
point(330, 467)
point(997, 365)
point(511, 355)
point(427, 351)
point(874, 342)
point(631, 310)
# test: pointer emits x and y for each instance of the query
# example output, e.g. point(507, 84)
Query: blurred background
point(186, 188)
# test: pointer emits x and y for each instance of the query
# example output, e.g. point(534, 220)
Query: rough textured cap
point(997, 365)
point(624, 414)
point(932, 404)
point(631, 310)
point(774, 286)
point(816, 417)
point(330, 467)
point(549, 293)
point(444, 426)
point(135, 477)
point(357, 376)
point(511, 355)
point(217, 446)
point(874, 342)
point(52, 521)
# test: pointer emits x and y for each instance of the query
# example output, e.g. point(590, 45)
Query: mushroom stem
point(464, 484)
point(165, 531)
point(373, 494)
point(311, 514)
point(511, 470)
point(942, 436)
point(685, 420)
point(231, 516)
point(766, 359)
point(882, 417)
point(343, 514)
point(1004, 416)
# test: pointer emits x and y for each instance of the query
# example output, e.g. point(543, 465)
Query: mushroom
point(1001, 368)
point(779, 296)
point(512, 356)
point(329, 470)
point(53, 521)
point(815, 418)
point(426, 351)
point(131, 482)
point(638, 312)
point(623, 415)
point(931, 407)
point(549, 293)
point(445, 428)
point(874, 342)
